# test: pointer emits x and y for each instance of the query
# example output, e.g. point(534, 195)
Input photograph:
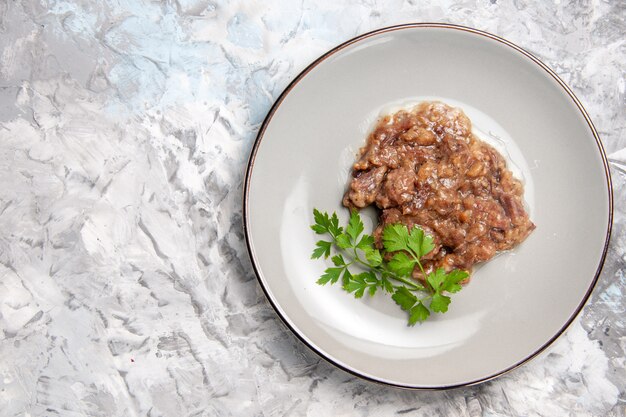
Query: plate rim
point(259, 138)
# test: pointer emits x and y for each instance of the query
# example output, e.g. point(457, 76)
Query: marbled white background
point(125, 286)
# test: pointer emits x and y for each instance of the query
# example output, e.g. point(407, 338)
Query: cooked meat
point(424, 167)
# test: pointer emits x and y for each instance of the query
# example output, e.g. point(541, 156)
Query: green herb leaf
point(418, 313)
point(321, 220)
point(330, 275)
point(386, 284)
point(346, 278)
point(343, 241)
point(439, 303)
point(322, 249)
point(359, 293)
point(436, 278)
point(401, 264)
point(369, 277)
point(372, 290)
point(355, 283)
point(338, 260)
point(404, 298)
point(395, 237)
point(333, 226)
point(370, 281)
point(358, 284)
point(365, 243)
point(374, 257)
point(453, 279)
point(355, 226)
point(419, 243)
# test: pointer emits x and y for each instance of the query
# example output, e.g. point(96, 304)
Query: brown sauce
point(424, 167)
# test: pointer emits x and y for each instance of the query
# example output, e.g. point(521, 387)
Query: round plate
point(516, 304)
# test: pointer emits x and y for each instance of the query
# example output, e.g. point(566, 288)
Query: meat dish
point(423, 166)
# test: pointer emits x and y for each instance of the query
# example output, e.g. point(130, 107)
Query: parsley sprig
point(349, 247)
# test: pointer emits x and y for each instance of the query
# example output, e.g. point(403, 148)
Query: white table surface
point(125, 286)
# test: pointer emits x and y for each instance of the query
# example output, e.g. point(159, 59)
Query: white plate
point(518, 303)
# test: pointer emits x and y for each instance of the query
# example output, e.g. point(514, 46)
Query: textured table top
point(125, 286)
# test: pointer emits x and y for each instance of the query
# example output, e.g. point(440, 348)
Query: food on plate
point(447, 201)
point(360, 267)
point(424, 167)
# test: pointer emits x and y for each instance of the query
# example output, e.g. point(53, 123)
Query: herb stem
point(416, 287)
point(417, 261)
point(428, 297)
